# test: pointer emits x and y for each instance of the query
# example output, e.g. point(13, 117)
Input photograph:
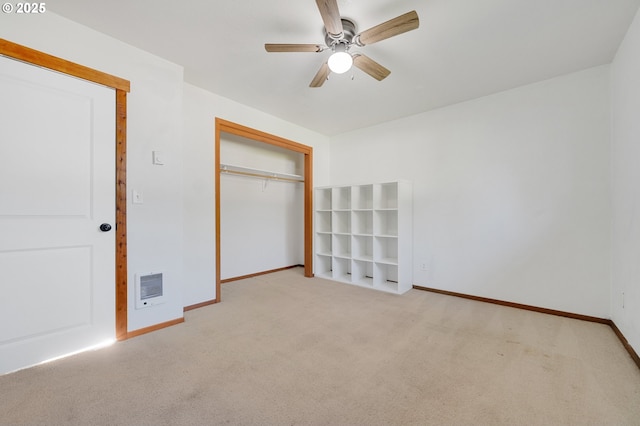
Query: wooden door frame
point(122, 87)
point(224, 126)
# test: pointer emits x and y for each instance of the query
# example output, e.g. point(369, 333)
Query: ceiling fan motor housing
point(348, 33)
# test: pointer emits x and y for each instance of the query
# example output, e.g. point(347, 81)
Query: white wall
point(261, 221)
point(511, 191)
point(200, 110)
point(154, 123)
point(625, 88)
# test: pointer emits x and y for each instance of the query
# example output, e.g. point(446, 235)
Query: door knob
point(105, 227)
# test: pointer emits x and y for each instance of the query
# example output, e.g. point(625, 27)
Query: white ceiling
point(463, 49)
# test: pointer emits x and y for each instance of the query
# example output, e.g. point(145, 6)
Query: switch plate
point(158, 158)
point(137, 197)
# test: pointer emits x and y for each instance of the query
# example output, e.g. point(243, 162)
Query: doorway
point(223, 126)
point(115, 89)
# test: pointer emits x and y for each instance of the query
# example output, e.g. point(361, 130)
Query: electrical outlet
point(423, 266)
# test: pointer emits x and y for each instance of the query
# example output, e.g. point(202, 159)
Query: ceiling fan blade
point(331, 17)
point(321, 76)
point(371, 67)
point(401, 24)
point(271, 47)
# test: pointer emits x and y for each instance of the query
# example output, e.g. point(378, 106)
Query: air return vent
point(149, 289)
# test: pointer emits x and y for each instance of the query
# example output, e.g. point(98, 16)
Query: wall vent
point(149, 290)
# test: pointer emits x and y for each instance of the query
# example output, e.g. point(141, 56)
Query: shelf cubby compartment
point(386, 223)
point(341, 269)
point(341, 222)
point(323, 199)
point(342, 246)
point(323, 221)
point(324, 267)
point(386, 250)
point(362, 222)
point(362, 197)
point(386, 196)
point(362, 273)
point(341, 198)
point(362, 248)
point(323, 244)
point(386, 277)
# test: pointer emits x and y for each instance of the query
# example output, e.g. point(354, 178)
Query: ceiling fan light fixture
point(340, 62)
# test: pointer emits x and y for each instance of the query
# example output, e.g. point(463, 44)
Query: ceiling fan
point(340, 36)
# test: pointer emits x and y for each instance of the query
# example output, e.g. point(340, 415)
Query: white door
point(57, 186)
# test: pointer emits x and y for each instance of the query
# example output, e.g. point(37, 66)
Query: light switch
point(158, 158)
point(137, 197)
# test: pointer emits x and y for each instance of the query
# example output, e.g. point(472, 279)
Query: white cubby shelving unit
point(363, 235)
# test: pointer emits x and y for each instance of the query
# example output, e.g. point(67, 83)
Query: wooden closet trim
point(224, 126)
point(121, 86)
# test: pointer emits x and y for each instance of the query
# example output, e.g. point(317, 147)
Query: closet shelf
point(258, 173)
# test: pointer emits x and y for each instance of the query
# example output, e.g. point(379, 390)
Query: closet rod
point(262, 176)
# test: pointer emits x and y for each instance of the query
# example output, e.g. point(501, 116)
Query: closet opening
point(265, 177)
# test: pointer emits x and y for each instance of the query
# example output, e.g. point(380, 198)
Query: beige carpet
point(284, 350)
